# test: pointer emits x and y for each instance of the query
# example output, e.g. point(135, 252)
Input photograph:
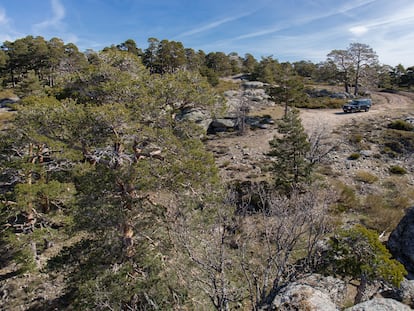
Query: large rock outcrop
point(380, 304)
point(401, 242)
point(303, 297)
point(7, 101)
point(251, 95)
point(198, 116)
point(406, 292)
point(313, 293)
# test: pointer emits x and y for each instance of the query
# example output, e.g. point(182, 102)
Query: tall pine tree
point(289, 148)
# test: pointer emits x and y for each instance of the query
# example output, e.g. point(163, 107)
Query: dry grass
point(275, 112)
point(366, 177)
point(6, 94)
point(227, 85)
point(5, 117)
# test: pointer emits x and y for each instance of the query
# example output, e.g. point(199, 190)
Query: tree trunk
point(356, 88)
point(346, 87)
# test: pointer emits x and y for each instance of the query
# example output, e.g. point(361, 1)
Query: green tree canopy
point(92, 164)
point(357, 252)
point(288, 150)
point(353, 63)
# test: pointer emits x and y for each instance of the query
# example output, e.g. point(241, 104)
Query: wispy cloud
point(3, 17)
point(358, 30)
point(351, 6)
point(58, 14)
point(55, 26)
point(399, 18)
point(390, 34)
point(306, 19)
point(213, 25)
point(7, 33)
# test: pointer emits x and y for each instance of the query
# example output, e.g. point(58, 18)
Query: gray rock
point(314, 292)
point(303, 297)
point(335, 288)
point(253, 84)
point(231, 93)
point(401, 242)
point(222, 125)
point(380, 304)
point(225, 122)
point(406, 292)
point(339, 95)
point(7, 101)
point(198, 116)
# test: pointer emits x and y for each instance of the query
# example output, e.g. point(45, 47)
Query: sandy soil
point(240, 156)
point(384, 105)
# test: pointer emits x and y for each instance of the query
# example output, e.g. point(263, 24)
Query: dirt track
point(384, 104)
point(244, 152)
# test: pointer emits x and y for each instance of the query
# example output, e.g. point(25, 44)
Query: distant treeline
point(49, 59)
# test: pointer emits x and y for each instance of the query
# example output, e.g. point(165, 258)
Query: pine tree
point(358, 253)
point(290, 167)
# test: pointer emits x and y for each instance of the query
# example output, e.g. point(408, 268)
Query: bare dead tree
point(321, 145)
point(236, 254)
point(205, 247)
point(242, 112)
point(285, 230)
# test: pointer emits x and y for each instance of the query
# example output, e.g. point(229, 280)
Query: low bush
point(354, 156)
point(397, 170)
point(321, 103)
point(366, 177)
point(379, 215)
point(327, 170)
point(401, 125)
point(6, 94)
point(223, 86)
point(347, 198)
point(396, 142)
point(355, 138)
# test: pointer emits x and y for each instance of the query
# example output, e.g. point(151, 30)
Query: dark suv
point(362, 104)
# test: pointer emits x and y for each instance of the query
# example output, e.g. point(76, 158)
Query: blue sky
point(289, 30)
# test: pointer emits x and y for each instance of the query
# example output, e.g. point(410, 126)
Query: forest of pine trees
point(104, 189)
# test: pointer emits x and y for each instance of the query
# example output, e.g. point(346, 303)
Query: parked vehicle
point(362, 104)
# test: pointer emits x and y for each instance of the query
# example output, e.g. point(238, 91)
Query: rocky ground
point(243, 156)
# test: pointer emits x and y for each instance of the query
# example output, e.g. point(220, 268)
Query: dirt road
point(238, 155)
point(384, 104)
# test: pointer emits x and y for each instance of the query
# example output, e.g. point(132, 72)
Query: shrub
point(358, 253)
point(366, 177)
point(397, 170)
point(6, 93)
point(224, 85)
point(355, 138)
point(401, 125)
point(397, 141)
point(380, 213)
point(321, 103)
point(354, 156)
point(399, 194)
point(327, 170)
point(347, 198)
